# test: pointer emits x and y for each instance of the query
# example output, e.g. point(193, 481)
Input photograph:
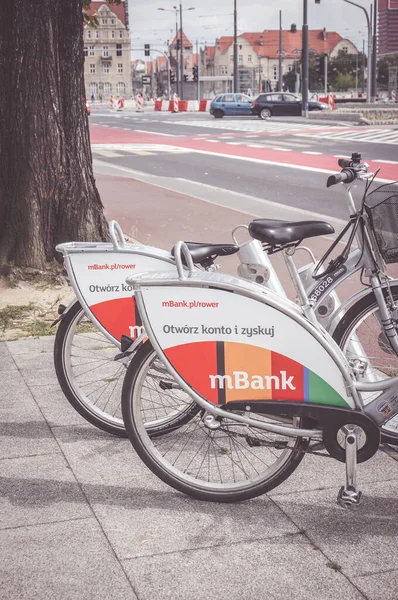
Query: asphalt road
point(302, 188)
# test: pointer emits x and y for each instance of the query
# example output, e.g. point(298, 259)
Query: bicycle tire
point(354, 317)
point(147, 447)
point(72, 388)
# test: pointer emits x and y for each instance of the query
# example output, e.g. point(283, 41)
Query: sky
point(149, 25)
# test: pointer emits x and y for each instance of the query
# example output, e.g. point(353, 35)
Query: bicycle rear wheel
point(230, 463)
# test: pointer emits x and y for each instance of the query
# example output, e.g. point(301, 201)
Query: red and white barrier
point(110, 101)
point(139, 102)
point(175, 103)
point(393, 95)
point(120, 103)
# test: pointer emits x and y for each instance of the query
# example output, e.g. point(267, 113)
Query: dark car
point(280, 104)
point(230, 104)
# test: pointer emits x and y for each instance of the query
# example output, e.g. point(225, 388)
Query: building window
point(231, 58)
point(249, 58)
point(91, 51)
point(107, 88)
point(120, 67)
point(120, 88)
point(345, 49)
point(105, 50)
point(92, 68)
point(113, 35)
point(97, 34)
point(224, 70)
point(274, 72)
point(121, 33)
point(289, 68)
point(104, 21)
point(93, 87)
point(241, 58)
point(106, 67)
point(118, 50)
point(89, 34)
point(85, 51)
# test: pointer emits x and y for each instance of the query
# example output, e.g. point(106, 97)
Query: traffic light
point(185, 77)
point(172, 76)
point(147, 49)
point(195, 73)
point(320, 64)
point(317, 1)
point(178, 44)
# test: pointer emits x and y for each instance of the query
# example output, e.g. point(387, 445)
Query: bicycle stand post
point(349, 496)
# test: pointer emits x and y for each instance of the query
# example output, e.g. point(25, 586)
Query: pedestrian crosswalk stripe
point(375, 136)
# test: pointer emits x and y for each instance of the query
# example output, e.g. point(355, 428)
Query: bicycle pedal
point(349, 498)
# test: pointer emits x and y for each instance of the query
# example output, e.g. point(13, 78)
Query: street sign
point(146, 80)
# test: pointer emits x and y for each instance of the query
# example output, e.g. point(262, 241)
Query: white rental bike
point(100, 330)
point(259, 379)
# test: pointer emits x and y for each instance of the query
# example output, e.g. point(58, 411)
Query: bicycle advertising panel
point(99, 281)
point(231, 347)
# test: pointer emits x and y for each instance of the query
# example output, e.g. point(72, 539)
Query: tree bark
point(47, 187)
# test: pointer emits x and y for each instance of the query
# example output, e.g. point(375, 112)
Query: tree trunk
point(47, 188)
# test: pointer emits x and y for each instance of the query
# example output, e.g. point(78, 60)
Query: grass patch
point(13, 315)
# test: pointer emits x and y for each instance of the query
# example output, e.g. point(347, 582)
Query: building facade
point(258, 56)
point(107, 67)
point(388, 27)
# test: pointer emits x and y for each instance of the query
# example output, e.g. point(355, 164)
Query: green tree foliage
point(341, 72)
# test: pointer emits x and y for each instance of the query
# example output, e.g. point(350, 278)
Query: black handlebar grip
point(346, 176)
point(333, 179)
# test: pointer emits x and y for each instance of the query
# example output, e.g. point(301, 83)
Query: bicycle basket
point(382, 207)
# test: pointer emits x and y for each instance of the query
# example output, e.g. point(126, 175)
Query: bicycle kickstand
point(349, 496)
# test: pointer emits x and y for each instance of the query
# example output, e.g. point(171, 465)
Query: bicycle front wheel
point(362, 324)
point(228, 463)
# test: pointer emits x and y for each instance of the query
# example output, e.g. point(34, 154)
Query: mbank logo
point(240, 380)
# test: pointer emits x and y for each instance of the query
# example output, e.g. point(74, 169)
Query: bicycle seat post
point(301, 293)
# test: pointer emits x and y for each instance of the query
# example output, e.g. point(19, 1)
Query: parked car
point(88, 109)
point(230, 104)
point(281, 104)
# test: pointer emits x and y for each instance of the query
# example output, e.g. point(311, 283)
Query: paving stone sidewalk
point(82, 517)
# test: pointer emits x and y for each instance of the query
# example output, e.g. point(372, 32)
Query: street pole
point(304, 79)
point(373, 88)
point(363, 68)
point(280, 82)
point(198, 70)
point(368, 94)
point(325, 58)
point(356, 77)
point(236, 74)
point(259, 73)
point(181, 55)
point(177, 62)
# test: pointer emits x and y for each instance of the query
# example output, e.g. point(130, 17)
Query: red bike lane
point(273, 156)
